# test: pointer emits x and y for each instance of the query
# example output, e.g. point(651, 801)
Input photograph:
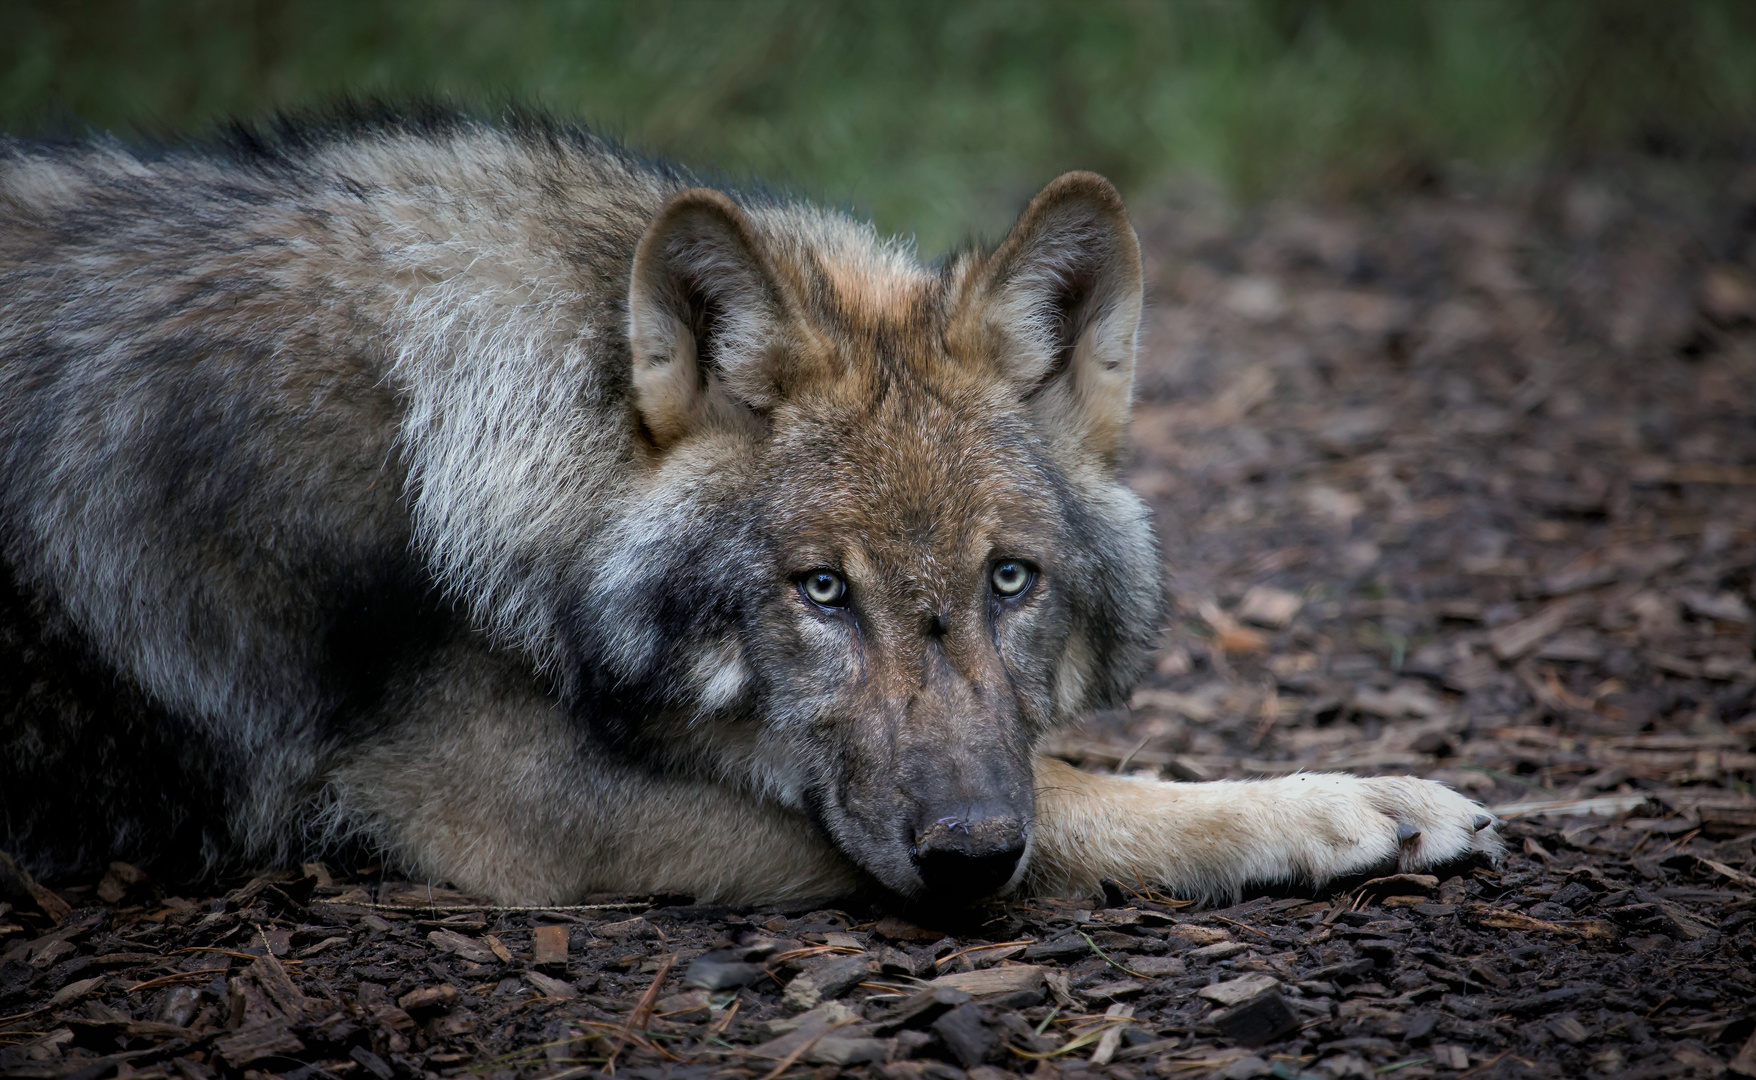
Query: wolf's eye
point(1011, 577)
point(825, 587)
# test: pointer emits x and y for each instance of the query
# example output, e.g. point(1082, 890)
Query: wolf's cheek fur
point(1047, 660)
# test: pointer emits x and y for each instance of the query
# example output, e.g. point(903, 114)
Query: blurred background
point(1448, 387)
point(939, 118)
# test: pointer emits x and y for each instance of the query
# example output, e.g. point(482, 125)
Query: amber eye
point(1010, 578)
point(825, 587)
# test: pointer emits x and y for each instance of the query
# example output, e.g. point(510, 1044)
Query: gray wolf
point(552, 522)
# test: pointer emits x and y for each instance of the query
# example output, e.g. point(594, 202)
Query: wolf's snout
point(970, 856)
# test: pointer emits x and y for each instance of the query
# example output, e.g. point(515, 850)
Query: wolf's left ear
point(1057, 308)
point(710, 322)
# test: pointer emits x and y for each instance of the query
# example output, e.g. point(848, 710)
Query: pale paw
point(1341, 826)
point(1430, 824)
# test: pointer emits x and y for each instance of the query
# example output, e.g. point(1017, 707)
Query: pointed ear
point(1057, 308)
point(708, 320)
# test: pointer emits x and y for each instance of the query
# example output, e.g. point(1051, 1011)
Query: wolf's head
point(878, 545)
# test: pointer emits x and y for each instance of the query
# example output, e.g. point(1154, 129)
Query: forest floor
point(1457, 487)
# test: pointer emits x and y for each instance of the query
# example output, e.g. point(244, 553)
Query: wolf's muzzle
point(965, 857)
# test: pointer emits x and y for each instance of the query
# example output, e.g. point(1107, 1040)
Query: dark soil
point(1458, 487)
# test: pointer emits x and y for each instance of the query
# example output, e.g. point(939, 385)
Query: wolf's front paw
point(1432, 824)
point(1344, 826)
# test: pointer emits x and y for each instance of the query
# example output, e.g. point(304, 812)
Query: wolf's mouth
point(953, 859)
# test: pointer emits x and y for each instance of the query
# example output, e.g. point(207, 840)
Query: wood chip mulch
point(1462, 486)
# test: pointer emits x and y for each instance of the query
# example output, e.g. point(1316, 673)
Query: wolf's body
point(482, 494)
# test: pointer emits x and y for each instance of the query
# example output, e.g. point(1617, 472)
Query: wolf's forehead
point(881, 297)
point(909, 465)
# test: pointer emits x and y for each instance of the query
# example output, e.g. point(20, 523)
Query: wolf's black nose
point(965, 858)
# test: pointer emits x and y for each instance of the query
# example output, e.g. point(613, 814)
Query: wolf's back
point(236, 382)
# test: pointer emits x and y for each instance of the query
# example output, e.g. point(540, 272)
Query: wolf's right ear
point(709, 321)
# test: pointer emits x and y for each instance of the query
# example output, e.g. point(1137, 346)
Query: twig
point(176, 977)
point(1047, 1020)
point(812, 950)
point(1233, 922)
point(407, 908)
point(1075, 1043)
point(1679, 842)
point(1342, 903)
point(1106, 956)
point(229, 952)
point(642, 1014)
point(906, 985)
point(723, 1022)
point(1152, 895)
point(799, 1051)
point(949, 957)
point(1129, 756)
point(575, 1071)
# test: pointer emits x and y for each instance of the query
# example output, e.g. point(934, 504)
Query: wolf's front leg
point(1208, 841)
point(478, 777)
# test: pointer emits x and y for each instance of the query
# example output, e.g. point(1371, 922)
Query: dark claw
point(1407, 834)
point(1483, 821)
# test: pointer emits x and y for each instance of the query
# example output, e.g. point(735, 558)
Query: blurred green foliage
point(940, 117)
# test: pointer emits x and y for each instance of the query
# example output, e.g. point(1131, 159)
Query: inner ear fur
point(1056, 308)
point(708, 320)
